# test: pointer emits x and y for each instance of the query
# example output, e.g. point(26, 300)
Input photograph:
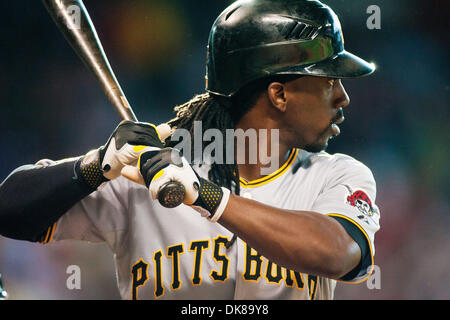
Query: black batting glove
point(122, 148)
point(162, 167)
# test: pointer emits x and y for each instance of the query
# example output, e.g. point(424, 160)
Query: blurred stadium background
point(398, 124)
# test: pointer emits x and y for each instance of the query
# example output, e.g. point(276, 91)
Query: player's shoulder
point(339, 159)
point(338, 162)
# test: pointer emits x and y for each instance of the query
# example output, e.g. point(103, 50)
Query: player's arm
point(298, 240)
point(305, 241)
point(33, 197)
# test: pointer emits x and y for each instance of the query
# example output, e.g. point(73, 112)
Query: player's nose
point(342, 99)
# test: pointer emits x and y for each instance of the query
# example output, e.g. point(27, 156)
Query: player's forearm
point(303, 241)
point(32, 198)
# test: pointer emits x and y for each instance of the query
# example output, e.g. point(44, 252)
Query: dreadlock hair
point(217, 112)
point(213, 112)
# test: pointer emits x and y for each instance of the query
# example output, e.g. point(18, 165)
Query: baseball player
point(240, 234)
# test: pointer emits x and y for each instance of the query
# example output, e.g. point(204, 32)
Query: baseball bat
point(73, 20)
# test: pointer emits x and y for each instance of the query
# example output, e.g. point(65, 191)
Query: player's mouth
point(334, 124)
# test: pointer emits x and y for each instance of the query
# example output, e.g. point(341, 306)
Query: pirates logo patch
point(360, 200)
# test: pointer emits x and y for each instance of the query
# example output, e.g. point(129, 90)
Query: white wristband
point(221, 208)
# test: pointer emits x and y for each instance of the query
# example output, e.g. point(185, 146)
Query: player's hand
point(158, 167)
point(122, 148)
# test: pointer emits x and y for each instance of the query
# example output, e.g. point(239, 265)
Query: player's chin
point(316, 147)
point(321, 144)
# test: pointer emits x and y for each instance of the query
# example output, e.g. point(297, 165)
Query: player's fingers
point(133, 174)
point(144, 134)
point(129, 155)
point(182, 175)
point(164, 131)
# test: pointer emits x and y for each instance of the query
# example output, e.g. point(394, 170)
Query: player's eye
point(331, 82)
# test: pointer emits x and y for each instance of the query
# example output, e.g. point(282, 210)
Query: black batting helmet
point(253, 39)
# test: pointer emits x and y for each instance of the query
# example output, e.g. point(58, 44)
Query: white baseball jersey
point(162, 253)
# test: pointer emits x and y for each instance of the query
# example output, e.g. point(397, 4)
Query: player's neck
point(251, 172)
point(263, 151)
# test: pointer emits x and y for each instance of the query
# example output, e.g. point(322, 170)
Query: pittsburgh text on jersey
point(257, 268)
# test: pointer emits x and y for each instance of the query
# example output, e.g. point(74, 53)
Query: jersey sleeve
point(100, 217)
point(349, 196)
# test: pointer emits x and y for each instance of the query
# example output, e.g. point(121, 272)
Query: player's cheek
point(319, 123)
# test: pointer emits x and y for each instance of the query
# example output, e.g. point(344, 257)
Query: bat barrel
point(74, 21)
point(120, 103)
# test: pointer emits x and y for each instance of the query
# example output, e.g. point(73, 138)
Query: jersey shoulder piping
point(258, 182)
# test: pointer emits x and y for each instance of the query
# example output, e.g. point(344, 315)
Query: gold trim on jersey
point(139, 276)
point(253, 260)
point(218, 243)
point(258, 182)
point(368, 241)
point(313, 284)
point(49, 235)
point(277, 279)
point(294, 277)
point(198, 250)
point(174, 252)
point(159, 280)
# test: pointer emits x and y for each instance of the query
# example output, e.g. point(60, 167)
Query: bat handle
point(171, 194)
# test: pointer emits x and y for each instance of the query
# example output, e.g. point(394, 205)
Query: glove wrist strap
point(221, 208)
point(212, 198)
point(90, 169)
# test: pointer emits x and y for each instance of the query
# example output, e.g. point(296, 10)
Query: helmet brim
point(341, 65)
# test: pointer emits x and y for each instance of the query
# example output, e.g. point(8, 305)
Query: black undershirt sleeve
point(360, 239)
point(32, 198)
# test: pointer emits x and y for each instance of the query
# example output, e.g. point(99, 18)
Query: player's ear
point(277, 95)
